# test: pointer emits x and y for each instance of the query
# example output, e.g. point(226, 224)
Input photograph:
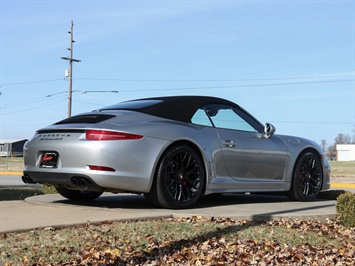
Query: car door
point(248, 155)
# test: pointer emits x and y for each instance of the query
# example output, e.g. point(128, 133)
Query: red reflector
point(110, 135)
point(101, 168)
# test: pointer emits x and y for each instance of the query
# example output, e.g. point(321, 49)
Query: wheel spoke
point(193, 182)
point(306, 188)
point(178, 192)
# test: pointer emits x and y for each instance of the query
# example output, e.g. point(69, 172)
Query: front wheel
point(79, 195)
point(179, 181)
point(307, 178)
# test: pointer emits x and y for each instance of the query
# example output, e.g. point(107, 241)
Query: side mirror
point(269, 130)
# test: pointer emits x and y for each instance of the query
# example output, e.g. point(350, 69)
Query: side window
point(201, 118)
point(228, 117)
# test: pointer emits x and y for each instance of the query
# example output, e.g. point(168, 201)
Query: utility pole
point(71, 60)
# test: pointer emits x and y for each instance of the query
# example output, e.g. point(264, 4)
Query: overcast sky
point(291, 63)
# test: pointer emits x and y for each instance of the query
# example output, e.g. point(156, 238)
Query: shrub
point(49, 189)
point(346, 209)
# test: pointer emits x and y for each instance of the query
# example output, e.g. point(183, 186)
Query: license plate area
point(49, 159)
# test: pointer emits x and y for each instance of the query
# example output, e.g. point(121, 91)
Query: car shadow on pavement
point(137, 202)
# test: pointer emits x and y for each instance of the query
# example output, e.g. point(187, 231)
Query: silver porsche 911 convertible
point(174, 150)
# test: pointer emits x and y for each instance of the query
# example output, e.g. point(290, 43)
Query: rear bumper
point(84, 181)
point(78, 182)
point(131, 163)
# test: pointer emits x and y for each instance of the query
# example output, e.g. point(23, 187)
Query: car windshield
point(132, 104)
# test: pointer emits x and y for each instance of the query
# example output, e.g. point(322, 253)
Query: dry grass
point(132, 240)
point(343, 169)
point(13, 164)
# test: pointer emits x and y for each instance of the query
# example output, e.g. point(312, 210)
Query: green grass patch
point(18, 193)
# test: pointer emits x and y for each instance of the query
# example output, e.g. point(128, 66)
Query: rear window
point(131, 105)
point(85, 119)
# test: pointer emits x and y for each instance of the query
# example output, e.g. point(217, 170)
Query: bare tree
point(323, 144)
point(342, 139)
point(332, 152)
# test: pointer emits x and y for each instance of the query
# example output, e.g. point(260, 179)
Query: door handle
point(228, 143)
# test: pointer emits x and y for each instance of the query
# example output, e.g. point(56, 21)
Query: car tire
point(179, 180)
point(78, 195)
point(307, 178)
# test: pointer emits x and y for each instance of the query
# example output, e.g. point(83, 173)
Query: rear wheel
point(179, 181)
point(307, 178)
point(79, 195)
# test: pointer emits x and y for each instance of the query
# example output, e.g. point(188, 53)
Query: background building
point(11, 147)
point(345, 152)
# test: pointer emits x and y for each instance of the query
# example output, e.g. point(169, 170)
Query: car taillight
point(101, 168)
point(110, 135)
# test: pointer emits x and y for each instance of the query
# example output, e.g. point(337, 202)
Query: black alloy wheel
point(180, 178)
point(307, 178)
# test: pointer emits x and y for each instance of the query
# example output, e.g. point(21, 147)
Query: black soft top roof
point(179, 108)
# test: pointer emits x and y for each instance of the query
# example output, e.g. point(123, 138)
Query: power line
point(39, 99)
point(45, 98)
point(215, 80)
point(237, 86)
point(32, 108)
point(185, 80)
point(311, 122)
point(166, 89)
point(184, 88)
point(96, 104)
point(30, 82)
point(30, 101)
